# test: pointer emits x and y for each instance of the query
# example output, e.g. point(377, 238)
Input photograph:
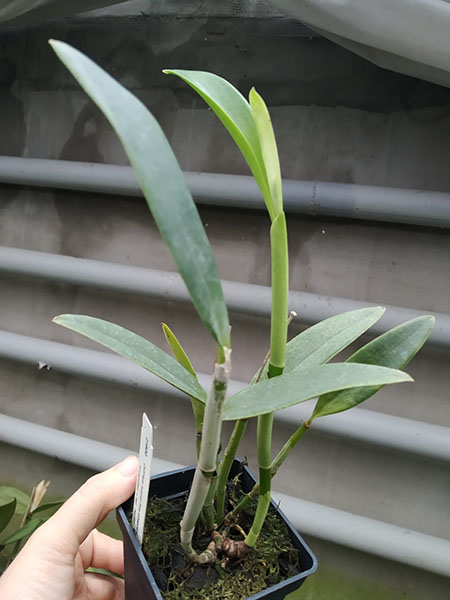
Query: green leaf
point(235, 113)
point(29, 528)
point(394, 349)
point(136, 348)
point(6, 513)
point(319, 343)
point(50, 506)
point(198, 407)
point(303, 384)
point(7, 494)
point(163, 185)
point(268, 149)
point(177, 349)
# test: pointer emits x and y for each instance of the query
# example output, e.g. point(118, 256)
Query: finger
point(86, 509)
point(102, 552)
point(102, 587)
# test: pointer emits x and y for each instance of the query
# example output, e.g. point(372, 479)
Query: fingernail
point(128, 467)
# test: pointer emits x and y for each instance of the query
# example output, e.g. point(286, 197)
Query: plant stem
point(276, 464)
point(225, 466)
point(206, 467)
point(278, 338)
point(288, 446)
point(264, 437)
point(208, 508)
point(280, 291)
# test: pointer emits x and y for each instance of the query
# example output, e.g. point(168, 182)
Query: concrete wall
point(337, 118)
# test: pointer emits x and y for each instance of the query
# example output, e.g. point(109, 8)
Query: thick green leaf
point(50, 507)
point(7, 494)
point(29, 528)
point(163, 184)
point(303, 384)
point(393, 349)
point(235, 113)
point(6, 513)
point(319, 343)
point(136, 348)
point(268, 149)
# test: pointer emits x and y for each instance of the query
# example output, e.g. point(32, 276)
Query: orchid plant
point(292, 372)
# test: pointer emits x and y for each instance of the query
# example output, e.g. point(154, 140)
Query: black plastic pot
point(139, 581)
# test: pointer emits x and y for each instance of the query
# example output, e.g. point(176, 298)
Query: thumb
point(87, 508)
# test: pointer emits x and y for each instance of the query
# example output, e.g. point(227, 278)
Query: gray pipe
point(419, 439)
point(244, 298)
point(76, 450)
point(313, 198)
point(391, 542)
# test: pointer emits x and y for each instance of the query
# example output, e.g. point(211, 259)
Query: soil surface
point(273, 559)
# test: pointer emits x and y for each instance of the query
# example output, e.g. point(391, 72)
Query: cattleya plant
point(292, 372)
point(20, 515)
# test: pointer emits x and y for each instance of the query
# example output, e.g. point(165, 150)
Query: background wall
point(337, 118)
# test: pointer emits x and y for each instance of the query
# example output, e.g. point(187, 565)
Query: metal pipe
point(391, 542)
point(367, 427)
point(313, 198)
point(378, 538)
point(244, 298)
point(74, 449)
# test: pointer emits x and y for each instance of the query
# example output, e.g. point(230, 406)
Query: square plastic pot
point(139, 581)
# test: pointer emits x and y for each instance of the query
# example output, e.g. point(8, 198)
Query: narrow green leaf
point(268, 149)
point(393, 349)
point(29, 528)
point(235, 113)
point(198, 407)
point(177, 349)
point(51, 507)
point(7, 494)
point(319, 343)
point(136, 348)
point(6, 513)
point(163, 185)
point(303, 384)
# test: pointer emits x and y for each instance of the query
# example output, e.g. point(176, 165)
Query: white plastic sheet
point(408, 36)
point(28, 10)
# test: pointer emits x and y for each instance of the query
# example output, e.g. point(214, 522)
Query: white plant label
point(143, 479)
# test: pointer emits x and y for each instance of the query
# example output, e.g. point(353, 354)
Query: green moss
point(274, 558)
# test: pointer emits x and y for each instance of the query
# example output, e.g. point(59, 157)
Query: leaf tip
point(56, 44)
point(406, 377)
point(254, 96)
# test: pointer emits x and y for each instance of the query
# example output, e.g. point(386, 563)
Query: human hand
point(52, 564)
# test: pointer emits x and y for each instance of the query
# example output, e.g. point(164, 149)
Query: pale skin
point(52, 564)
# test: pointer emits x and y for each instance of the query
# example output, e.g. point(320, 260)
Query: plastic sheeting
point(30, 10)
point(407, 36)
